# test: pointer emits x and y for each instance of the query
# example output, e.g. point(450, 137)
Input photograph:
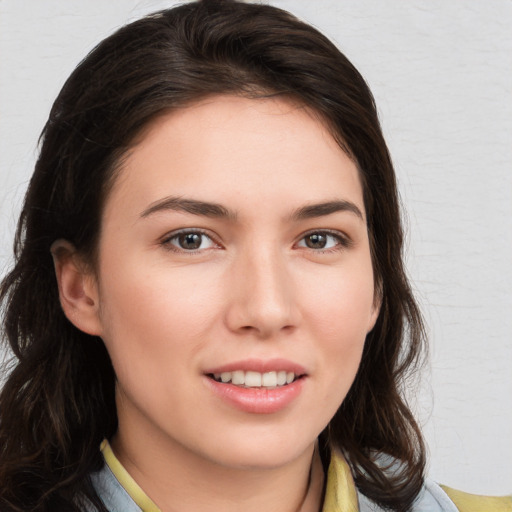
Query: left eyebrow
point(328, 208)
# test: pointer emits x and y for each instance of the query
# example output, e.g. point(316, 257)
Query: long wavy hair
point(57, 403)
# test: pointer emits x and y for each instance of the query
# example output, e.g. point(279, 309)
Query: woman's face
point(234, 284)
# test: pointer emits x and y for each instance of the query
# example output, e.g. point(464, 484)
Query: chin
point(267, 452)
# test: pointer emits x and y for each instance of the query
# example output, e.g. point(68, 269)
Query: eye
point(323, 240)
point(189, 241)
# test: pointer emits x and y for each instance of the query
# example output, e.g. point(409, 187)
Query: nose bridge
point(264, 299)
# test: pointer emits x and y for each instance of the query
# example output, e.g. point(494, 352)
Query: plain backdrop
point(441, 73)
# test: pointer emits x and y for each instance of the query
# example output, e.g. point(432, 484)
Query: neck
point(178, 480)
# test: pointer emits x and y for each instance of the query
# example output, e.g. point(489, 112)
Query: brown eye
point(323, 240)
point(316, 241)
point(189, 241)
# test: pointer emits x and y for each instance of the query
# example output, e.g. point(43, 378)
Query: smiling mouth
point(251, 379)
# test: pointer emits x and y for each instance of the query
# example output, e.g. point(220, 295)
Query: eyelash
point(343, 242)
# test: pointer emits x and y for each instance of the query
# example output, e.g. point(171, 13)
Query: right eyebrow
point(192, 206)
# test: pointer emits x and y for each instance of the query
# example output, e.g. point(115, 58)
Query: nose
point(262, 301)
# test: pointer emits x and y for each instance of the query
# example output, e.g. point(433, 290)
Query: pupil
point(190, 240)
point(316, 241)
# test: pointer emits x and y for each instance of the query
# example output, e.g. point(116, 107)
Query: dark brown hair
point(58, 401)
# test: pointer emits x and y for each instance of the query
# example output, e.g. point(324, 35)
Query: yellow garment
point(340, 490)
point(145, 503)
point(466, 502)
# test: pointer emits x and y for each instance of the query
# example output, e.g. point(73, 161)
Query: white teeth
point(238, 378)
point(269, 379)
point(252, 379)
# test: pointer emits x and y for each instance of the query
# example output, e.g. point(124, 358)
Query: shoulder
point(442, 498)
point(466, 502)
point(437, 498)
point(342, 494)
point(432, 498)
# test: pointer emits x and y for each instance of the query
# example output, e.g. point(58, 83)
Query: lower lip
point(257, 400)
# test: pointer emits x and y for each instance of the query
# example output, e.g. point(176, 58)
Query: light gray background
point(441, 72)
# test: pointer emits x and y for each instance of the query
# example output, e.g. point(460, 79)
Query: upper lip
point(259, 365)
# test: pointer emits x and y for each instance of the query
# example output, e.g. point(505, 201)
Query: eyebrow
point(193, 206)
point(328, 208)
point(216, 210)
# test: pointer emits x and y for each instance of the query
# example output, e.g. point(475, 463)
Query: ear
point(78, 289)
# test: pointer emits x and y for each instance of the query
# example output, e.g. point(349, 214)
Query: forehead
point(232, 148)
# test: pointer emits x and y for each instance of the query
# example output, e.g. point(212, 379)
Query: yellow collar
point(340, 491)
point(144, 502)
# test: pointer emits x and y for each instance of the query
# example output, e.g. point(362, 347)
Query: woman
point(209, 282)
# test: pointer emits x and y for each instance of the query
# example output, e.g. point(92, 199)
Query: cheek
point(341, 303)
point(156, 298)
point(339, 316)
point(155, 317)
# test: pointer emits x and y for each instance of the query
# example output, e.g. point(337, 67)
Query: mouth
point(253, 379)
point(257, 386)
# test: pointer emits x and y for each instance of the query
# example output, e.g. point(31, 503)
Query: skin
point(253, 290)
